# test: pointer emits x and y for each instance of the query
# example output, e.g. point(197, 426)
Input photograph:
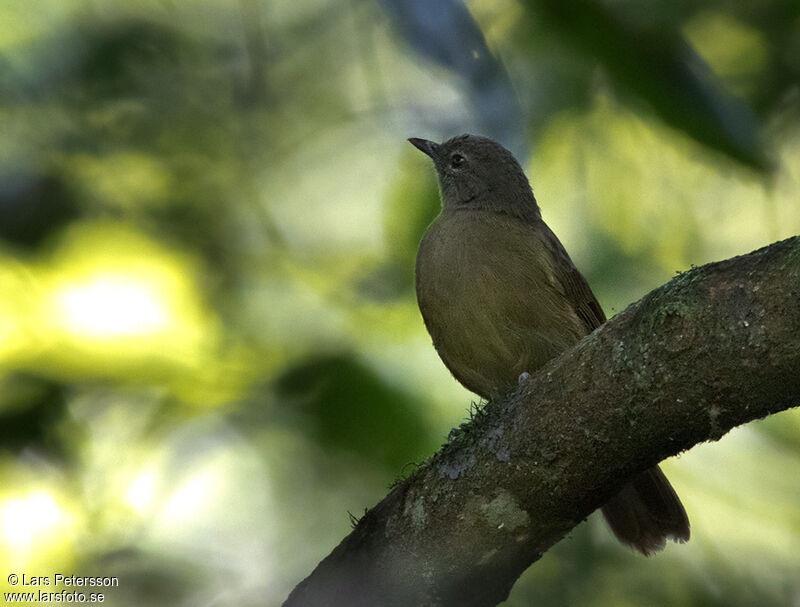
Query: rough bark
point(713, 348)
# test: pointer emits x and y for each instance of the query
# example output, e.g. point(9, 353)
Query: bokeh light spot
point(141, 491)
point(113, 306)
point(25, 520)
point(190, 496)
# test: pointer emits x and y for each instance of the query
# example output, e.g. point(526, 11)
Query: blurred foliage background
point(210, 351)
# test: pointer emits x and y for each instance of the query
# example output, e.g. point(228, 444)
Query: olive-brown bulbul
point(501, 297)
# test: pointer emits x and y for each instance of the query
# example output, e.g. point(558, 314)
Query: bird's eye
point(456, 160)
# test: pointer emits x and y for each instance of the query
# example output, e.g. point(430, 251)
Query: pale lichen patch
point(503, 512)
point(716, 431)
point(455, 467)
point(415, 509)
point(486, 557)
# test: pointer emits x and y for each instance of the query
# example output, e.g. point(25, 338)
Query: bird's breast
point(490, 298)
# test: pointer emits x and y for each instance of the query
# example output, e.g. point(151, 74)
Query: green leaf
point(659, 67)
point(349, 407)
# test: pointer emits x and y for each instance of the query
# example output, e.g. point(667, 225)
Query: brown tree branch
point(713, 348)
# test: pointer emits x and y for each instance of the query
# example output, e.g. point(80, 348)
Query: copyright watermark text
point(45, 588)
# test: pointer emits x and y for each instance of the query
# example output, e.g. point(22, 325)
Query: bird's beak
point(431, 148)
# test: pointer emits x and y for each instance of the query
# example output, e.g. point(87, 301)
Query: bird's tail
point(647, 512)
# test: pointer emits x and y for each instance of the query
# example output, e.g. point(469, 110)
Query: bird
point(500, 297)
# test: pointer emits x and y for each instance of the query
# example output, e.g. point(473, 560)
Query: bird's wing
point(574, 285)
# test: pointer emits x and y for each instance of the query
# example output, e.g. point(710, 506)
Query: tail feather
point(647, 512)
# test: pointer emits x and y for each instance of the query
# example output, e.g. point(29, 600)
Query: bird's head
point(477, 171)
